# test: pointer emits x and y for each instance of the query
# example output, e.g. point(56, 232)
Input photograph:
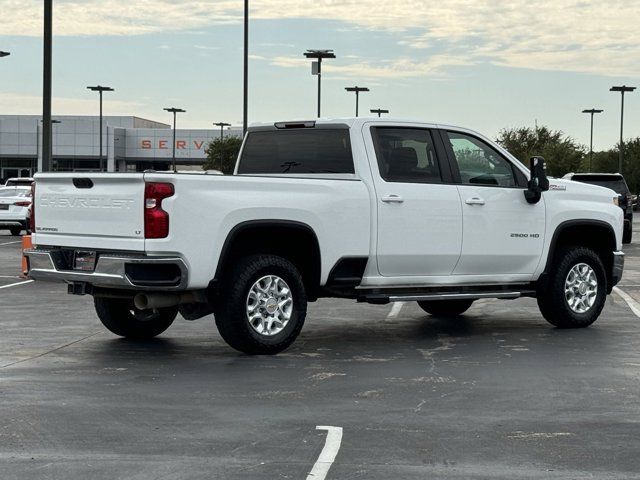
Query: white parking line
point(11, 243)
point(328, 454)
point(16, 284)
point(395, 310)
point(633, 305)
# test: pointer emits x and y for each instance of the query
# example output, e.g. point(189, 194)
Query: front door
point(503, 234)
point(419, 215)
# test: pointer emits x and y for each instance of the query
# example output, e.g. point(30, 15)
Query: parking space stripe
point(328, 454)
point(395, 310)
point(11, 243)
point(16, 284)
point(633, 305)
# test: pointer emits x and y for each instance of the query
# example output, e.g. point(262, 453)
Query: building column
point(111, 150)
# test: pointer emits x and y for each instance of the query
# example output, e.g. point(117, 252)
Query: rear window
point(297, 151)
point(15, 192)
point(615, 183)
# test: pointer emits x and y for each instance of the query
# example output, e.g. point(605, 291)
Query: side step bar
point(414, 297)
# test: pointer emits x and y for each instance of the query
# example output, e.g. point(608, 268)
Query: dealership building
point(130, 144)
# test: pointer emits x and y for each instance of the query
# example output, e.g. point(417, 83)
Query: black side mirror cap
point(539, 182)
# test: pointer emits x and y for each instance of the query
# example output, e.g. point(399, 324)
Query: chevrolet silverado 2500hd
point(370, 209)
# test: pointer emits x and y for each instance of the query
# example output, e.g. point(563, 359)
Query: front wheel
point(575, 293)
point(121, 317)
point(627, 233)
point(445, 308)
point(262, 306)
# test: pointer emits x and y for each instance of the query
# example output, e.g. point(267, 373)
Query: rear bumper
point(617, 268)
point(112, 270)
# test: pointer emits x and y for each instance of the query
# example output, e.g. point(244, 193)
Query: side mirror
point(539, 182)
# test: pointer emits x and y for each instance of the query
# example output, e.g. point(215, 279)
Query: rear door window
point(297, 151)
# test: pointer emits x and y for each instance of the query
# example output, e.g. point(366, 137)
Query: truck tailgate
point(90, 210)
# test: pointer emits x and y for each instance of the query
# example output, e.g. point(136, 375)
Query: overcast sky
point(482, 64)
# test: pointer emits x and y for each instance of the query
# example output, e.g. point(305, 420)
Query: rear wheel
point(263, 305)
point(121, 317)
point(575, 294)
point(446, 308)
point(15, 231)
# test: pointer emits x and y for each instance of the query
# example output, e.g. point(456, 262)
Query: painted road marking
point(11, 243)
point(633, 305)
point(328, 454)
point(17, 284)
point(395, 310)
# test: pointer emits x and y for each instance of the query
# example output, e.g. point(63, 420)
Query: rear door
point(99, 211)
point(503, 234)
point(419, 213)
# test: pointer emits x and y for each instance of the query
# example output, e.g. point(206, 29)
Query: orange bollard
point(26, 245)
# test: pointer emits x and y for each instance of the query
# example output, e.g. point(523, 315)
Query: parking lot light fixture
point(622, 89)
point(100, 89)
point(379, 111)
point(357, 90)
point(4, 54)
point(591, 111)
point(221, 125)
point(316, 67)
point(175, 111)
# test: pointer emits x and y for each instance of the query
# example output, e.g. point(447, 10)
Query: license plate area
point(4, 206)
point(84, 260)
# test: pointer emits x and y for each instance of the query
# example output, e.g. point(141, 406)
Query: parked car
point(634, 202)
point(14, 204)
point(374, 210)
point(617, 183)
point(17, 182)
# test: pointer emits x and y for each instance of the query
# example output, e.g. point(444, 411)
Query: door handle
point(474, 201)
point(392, 199)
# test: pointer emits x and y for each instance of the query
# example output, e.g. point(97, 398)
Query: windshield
point(15, 192)
point(617, 184)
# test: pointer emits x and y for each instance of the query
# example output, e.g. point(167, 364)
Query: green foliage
point(561, 152)
point(222, 152)
point(607, 162)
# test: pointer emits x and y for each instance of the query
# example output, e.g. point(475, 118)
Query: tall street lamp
point(622, 89)
point(357, 90)
point(53, 122)
point(174, 110)
point(4, 54)
point(100, 89)
point(592, 112)
point(245, 104)
point(316, 67)
point(221, 125)
point(379, 111)
point(46, 84)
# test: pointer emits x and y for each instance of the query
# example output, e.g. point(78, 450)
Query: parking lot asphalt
point(498, 393)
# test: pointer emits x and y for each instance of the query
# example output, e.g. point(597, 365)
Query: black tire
point(627, 233)
point(121, 317)
point(15, 231)
point(552, 299)
point(231, 308)
point(446, 308)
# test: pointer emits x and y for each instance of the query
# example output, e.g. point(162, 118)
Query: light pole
point(174, 110)
point(379, 111)
point(4, 54)
point(245, 105)
point(357, 90)
point(622, 89)
point(316, 67)
point(221, 125)
point(53, 122)
point(46, 85)
point(100, 89)
point(592, 112)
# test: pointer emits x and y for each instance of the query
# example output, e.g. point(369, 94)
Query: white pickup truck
point(369, 209)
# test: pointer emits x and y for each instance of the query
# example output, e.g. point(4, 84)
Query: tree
point(607, 162)
point(561, 152)
point(222, 154)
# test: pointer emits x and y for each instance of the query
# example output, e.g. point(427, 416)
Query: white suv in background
point(14, 206)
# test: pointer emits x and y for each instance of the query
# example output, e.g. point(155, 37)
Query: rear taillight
point(22, 204)
point(156, 220)
point(32, 209)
